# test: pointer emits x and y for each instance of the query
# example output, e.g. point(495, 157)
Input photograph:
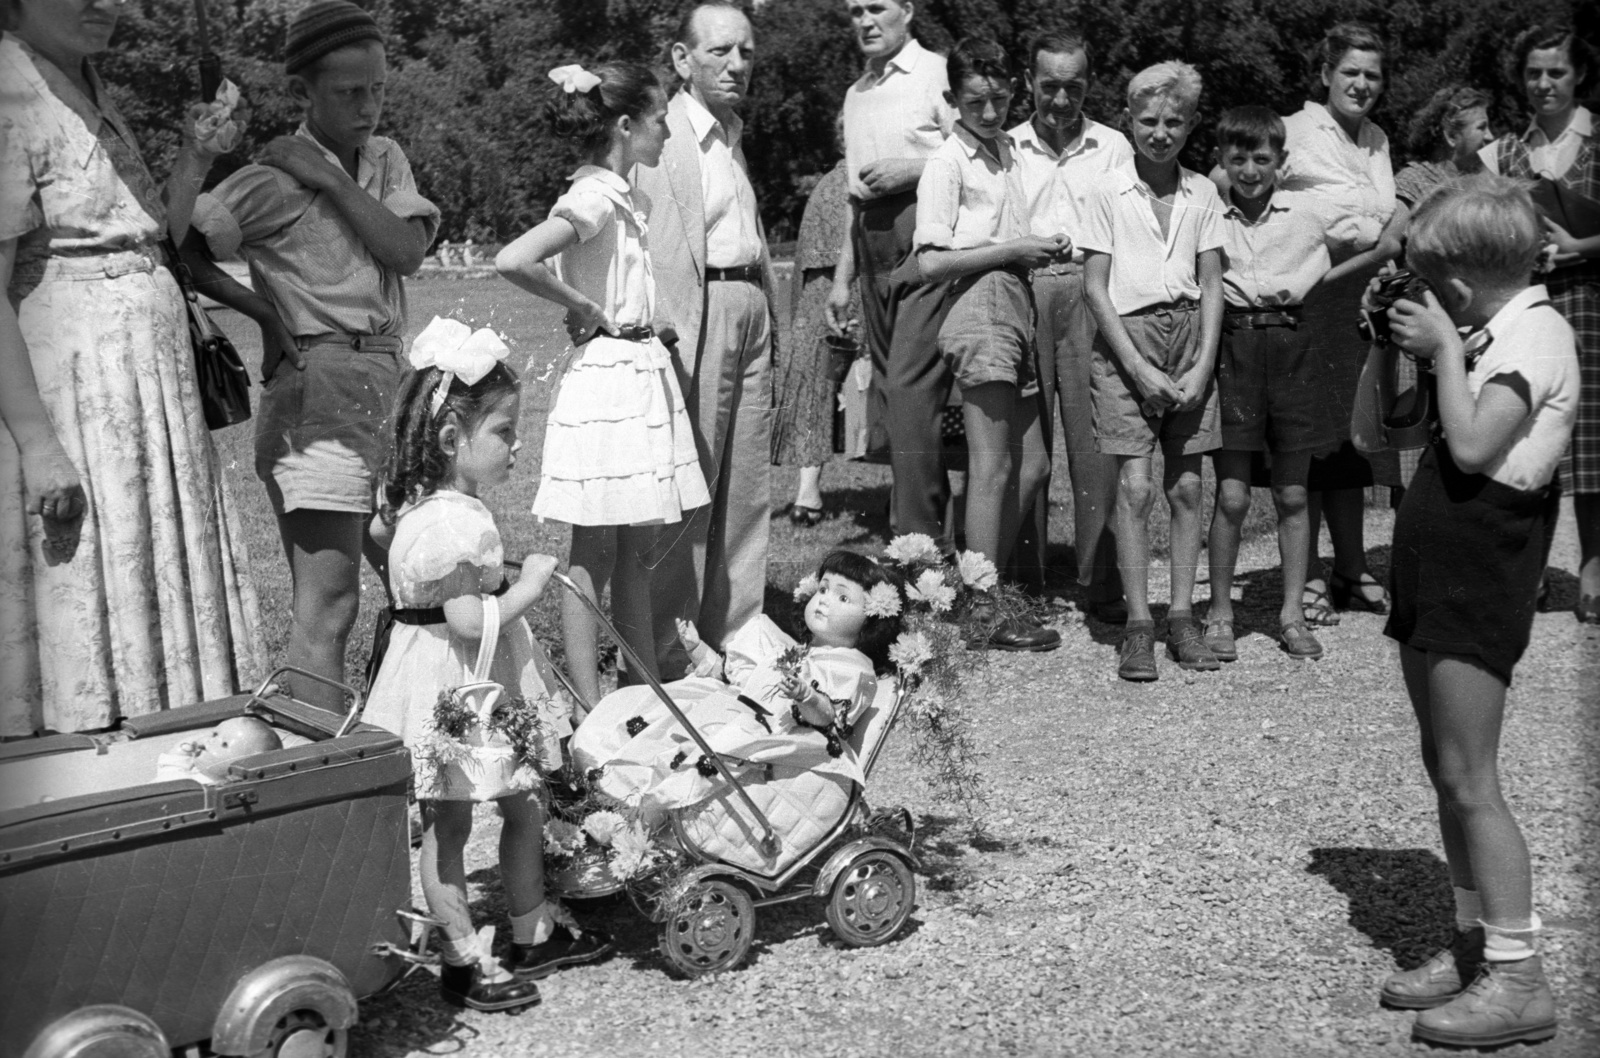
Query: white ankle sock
point(463, 952)
point(1469, 908)
point(536, 926)
point(1511, 943)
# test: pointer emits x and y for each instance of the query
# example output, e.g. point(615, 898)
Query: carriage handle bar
point(769, 840)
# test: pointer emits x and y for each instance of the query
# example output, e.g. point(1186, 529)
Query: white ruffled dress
point(618, 447)
point(445, 546)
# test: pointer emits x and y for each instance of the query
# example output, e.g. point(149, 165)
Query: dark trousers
point(901, 316)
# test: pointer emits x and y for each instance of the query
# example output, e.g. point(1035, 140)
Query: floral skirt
point(156, 607)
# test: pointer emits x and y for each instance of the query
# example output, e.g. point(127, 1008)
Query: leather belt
point(1285, 316)
point(1167, 307)
point(742, 274)
point(631, 333)
point(433, 615)
point(390, 344)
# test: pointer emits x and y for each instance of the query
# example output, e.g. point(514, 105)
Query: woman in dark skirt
point(1470, 544)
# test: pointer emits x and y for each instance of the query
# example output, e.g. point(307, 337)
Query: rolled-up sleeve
point(938, 203)
point(248, 207)
point(400, 195)
point(1097, 236)
point(19, 200)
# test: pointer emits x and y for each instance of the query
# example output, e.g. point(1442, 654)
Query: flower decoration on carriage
point(932, 589)
point(910, 653)
point(910, 549)
point(809, 585)
point(602, 839)
point(883, 601)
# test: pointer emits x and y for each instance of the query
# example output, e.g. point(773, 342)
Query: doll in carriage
point(744, 783)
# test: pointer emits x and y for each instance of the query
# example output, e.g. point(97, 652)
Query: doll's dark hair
point(417, 465)
point(1541, 37)
point(1447, 108)
point(978, 57)
point(626, 89)
point(877, 633)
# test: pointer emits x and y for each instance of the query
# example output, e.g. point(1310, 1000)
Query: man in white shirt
point(895, 117)
point(713, 279)
point(1061, 153)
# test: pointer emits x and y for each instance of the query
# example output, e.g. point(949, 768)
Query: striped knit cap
point(326, 26)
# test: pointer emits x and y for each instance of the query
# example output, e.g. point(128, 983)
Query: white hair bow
point(574, 78)
point(458, 351)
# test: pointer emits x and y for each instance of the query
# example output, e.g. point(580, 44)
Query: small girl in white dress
point(619, 456)
point(455, 435)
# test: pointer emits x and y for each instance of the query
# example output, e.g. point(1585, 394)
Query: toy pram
point(139, 915)
point(751, 846)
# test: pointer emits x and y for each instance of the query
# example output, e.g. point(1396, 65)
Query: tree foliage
point(467, 82)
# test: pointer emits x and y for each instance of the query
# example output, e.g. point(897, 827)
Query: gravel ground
point(1214, 864)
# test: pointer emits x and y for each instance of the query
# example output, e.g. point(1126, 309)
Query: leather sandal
point(1220, 639)
point(1318, 611)
point(1348, 594)
point(1298, 642)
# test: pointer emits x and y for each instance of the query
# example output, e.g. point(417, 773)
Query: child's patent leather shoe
point(467, 986)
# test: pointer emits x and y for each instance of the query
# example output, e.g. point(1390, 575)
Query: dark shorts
point(1467, 558)
point(987, 336)
point(1166, 339)
point(1272, 391)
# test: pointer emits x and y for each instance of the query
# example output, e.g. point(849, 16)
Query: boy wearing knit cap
point(329, 222)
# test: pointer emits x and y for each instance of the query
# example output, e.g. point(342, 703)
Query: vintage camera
point(1404, 285)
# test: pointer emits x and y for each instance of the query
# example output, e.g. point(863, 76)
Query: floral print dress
point(156, 607)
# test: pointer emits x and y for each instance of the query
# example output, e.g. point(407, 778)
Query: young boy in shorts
point(329, 222)
point(1153, 276)
point(1272, 390)
point(972, 232)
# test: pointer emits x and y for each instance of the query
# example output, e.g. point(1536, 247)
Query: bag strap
point(489, 639)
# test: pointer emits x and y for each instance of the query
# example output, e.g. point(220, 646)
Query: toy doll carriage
point(761, 840)
point(248, 915)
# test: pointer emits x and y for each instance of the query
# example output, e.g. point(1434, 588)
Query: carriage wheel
point(304, 1034)
point(710, 930)
point(101, 1031)
point(872, 899)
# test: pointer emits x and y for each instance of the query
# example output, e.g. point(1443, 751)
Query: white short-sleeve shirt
point(610, 264)
point(1534, 342)
point(970, 195)
point(1275, 261)
point(901, 113)
point(1354, 179)
point(1146, 269)
point(733, 236)
point(1058, 185)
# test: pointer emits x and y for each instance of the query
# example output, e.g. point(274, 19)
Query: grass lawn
point(857, 494)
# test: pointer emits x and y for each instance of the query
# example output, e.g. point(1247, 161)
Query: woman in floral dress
point(123, 581)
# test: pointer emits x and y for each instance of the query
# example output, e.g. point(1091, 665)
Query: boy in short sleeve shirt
point(329, 225)
point(1273, 391)
point(1153, 277)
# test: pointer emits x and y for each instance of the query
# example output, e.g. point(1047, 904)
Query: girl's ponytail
point(586, 103)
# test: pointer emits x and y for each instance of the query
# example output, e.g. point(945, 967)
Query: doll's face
point(240, 737)
point(836, 612)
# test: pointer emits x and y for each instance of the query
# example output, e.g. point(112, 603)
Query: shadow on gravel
point(1398, 897)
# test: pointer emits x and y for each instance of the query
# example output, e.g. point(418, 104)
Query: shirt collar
point(1582, 124)
point(1275, 204)
point(1027, 135)
point(607, 177)
point(1325, 119)
point(704, 123)
point(974, 147)
point(1129, 175)
point(1521, 302)
point(363, 153)
point(905, 60)
point(46, 77)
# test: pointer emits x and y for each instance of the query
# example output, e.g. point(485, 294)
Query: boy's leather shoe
point(1509, 1002)
point(1136, 657)
point(564, 948)
point(1019, 634)
point(1438, 980)
point(464, 986)
point(1219, 639)
point(1188, 647)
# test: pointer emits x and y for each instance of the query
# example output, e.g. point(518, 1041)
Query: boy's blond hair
point(1482, 228)
point(1176, 82)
